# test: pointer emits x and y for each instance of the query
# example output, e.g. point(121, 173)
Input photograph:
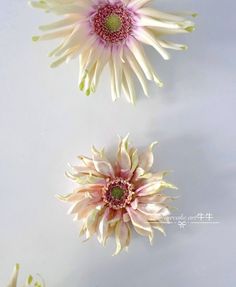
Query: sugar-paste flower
point(111, 198)
point(111, 32)
point(29, 281)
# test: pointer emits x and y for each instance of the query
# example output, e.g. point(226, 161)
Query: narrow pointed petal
point(123, 157)
point(160, 15)
point(61, 23)
point(122, 234)
point(103, 227)
point(104, 168)
point(148, 38)
point(13, 280)
point(146, 159)
point(141, 225)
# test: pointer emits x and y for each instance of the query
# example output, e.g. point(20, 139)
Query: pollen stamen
point(113, 23)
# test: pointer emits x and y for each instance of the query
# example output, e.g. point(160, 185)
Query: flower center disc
point(113, 23)
point(117, 193)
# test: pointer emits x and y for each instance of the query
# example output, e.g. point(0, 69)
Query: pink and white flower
point(113, 32)
point(111, 198)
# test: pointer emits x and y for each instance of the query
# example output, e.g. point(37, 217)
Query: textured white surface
point(45, 122)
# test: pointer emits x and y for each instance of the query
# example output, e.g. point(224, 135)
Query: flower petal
point(154, 212)
point(13, 280)
point(103, 227)
point(140, 223)
point(149, 188)
point(122, 233)
point(104, 168)
point(91, 223)
point(146, 158)
point(123, 157)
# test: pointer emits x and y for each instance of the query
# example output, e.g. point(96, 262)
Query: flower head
point(111, 32)
point(111, 198)
point(29, 281)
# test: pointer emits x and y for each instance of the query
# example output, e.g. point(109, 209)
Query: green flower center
point(117, 192)
point(113, 23)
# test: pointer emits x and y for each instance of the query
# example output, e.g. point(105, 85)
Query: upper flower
point(113, 197)
point(111, 32)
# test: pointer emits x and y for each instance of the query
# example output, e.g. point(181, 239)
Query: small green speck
point(35, 38)
point(81, 85)
point(113, 23)
point(117, 192)
point(29, 279)
point(87, 92)
point(190, 28)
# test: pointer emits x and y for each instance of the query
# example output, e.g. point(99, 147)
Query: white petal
point(13, 280)
point(147, 37)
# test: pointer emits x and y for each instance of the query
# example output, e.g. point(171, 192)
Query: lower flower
point(29, 281)
point(112, 198)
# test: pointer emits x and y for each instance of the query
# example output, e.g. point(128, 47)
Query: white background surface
point(45, 123)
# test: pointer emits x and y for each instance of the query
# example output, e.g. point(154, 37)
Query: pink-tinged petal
point(126, 217)
point(135, 4)
point(79, 193)
point(134, 203)
point(76, 207)
point(151, 177)
point(140, 223)
point(89, 188)
point(122, 234)
point(96, 195)
point(98, 154)
point(123, 157)
point(82, 208)
point(88, 162)
point(156, 198)
point(139, 172)
point(78, 171)
point(84, 175)
point(104, 168)
point(83, 229)
point(103, 227)
point(154, 212)
point(153, 188)
point(70, 197)
point(134, 162)
point(91, 223)
point(148, 189)
point(164, 212)
point(146, 158)
point(117, 216)
point(150, 208)
point(158, 226)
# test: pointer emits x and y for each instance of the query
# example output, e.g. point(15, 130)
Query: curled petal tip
point(35, 38)
point(29, 279)
point(190, 29)
point(60, 197)
point(153, 144)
